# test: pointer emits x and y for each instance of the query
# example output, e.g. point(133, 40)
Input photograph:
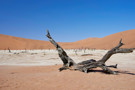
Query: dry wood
point(84, 66)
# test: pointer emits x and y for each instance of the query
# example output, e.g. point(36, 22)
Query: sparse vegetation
point(33, 53)
point(86, 54)
point(16, 53)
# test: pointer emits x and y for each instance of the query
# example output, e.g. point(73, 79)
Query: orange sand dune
point(111, 41)
point(21, 43)
point(97, 43)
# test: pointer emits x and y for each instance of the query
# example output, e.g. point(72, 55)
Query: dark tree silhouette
point(84, 66)
point(9, 50)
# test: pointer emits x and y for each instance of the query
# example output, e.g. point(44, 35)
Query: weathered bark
point(67, 61)
point(84, 66)
point(114, 51)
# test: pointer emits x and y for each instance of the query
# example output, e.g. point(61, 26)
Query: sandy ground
point(38, 70)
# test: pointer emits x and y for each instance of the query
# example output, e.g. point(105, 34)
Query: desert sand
point(38, 70)
point(108, 42)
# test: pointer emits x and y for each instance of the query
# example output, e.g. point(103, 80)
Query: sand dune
point(21, 43)
point(112, 40)
point(97, 43)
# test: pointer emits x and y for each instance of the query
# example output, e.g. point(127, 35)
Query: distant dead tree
point(25, 50)
point(75, 50)
point(84, 66)
point(9, 50)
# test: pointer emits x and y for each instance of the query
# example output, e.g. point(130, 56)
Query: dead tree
point(9, 50)
point(84, 66)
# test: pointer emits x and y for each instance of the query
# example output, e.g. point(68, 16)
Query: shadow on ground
point(118, 72)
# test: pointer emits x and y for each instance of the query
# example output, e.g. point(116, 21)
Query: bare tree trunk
point(9, 50)
point(67, 61)
point(88, 64)
point(114, 51)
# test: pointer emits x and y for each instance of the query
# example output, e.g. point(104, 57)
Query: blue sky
point(67, 20)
